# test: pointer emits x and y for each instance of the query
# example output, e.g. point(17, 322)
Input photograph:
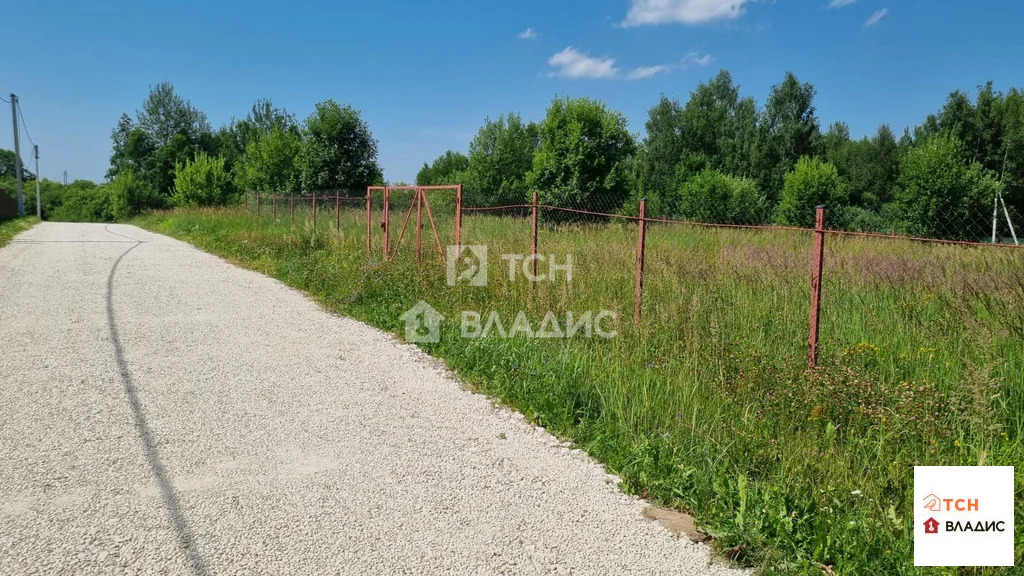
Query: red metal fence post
point(291, 209)
point(641, 242)
point(533, 240)
point(369, 221)
point(419, 221)
point(458, 220)
point(387, 221)
point(818, 259)
point(314, 208)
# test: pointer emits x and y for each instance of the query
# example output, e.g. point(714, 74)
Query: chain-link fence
point(746, 283)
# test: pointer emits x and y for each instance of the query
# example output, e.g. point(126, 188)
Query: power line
point(24, 126)
point(5, 100)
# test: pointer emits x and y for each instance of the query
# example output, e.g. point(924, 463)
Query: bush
point(939, 195)
point(711, 196)
point(865, 220)
point(202, 181)
point(82, 201)
point(129, 196)
point(810, 184)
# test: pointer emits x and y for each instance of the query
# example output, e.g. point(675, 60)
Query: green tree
point(940, 195)
point(338, 151)
point(1011, 169)
point(582, 157)
point(165, 114)
point(662, 148)
point(869, 165)
point(202, 181)
point(500, 157)
point(788, 130)
point(716, 123)
point(270, 162)
point(9, 166)
point(168, 130)
point(812, 182)
point(447, 168)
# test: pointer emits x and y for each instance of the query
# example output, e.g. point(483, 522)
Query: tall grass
point(11, 228)
point(708, 405)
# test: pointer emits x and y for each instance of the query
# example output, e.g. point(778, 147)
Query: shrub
point(812, 183)
point(940, 195)
point(711, 196)
point(202, 181)
point(129, 196)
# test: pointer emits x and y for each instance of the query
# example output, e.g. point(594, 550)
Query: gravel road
point(162, 411)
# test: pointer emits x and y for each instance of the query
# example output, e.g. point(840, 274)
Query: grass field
point(708, 406)
point(11, 228)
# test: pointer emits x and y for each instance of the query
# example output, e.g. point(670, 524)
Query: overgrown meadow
point(707, 405)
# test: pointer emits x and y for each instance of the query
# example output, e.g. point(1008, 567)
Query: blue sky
point(425, 75)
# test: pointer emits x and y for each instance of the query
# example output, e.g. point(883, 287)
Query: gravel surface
point(162, 411)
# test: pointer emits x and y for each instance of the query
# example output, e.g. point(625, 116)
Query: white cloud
point(571, 63)
point(528, 34)
point(645, 12)
point(876, 18)
point(840, 3)
point(647, 71)
point(692, 59)
point(696, 59)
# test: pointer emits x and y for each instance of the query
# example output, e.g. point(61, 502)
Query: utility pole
point(17, 155)
point(39, 203)
point(65, 177)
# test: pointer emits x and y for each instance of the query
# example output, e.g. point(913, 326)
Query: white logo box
point(971, 510)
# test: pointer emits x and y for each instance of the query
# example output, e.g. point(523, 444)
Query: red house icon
point(931, 526)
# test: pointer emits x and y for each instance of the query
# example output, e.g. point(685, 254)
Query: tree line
point(717, 157)
point(168, 155)
point(721, 158)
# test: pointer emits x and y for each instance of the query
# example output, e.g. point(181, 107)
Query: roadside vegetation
point(11, 228)
point(708, 405)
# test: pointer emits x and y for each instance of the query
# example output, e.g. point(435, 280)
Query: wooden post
point(817, 261)
point(291, 209)
point(314, 209)
point(641, 242)
point(533, 241)
point(337, 212)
